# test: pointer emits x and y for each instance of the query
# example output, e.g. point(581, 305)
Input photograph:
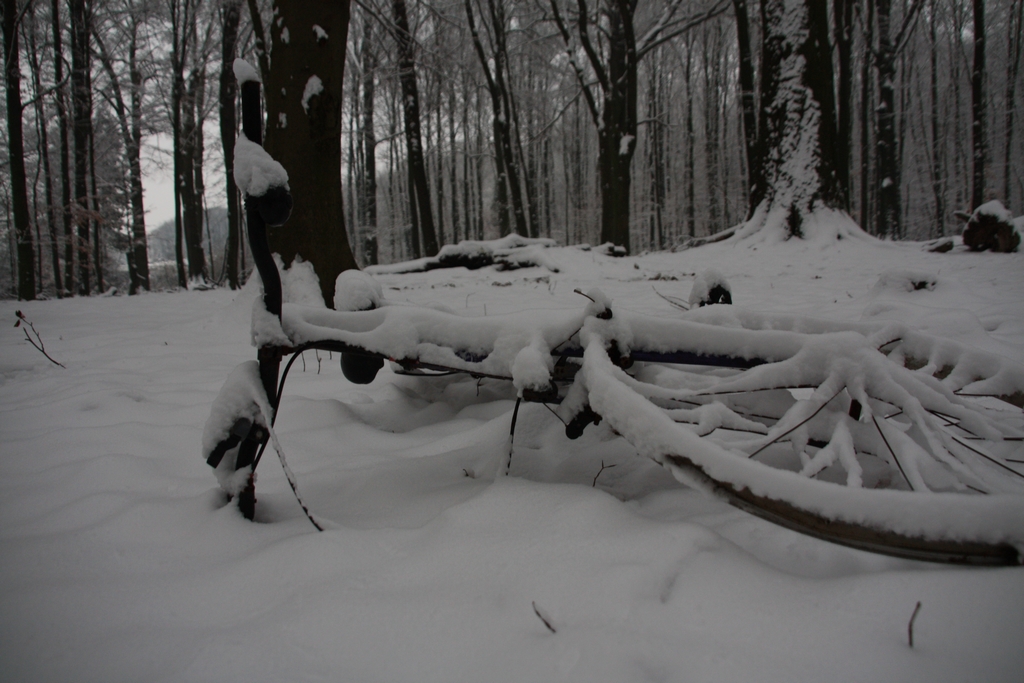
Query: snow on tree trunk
point(797, 137)
point(304, 133)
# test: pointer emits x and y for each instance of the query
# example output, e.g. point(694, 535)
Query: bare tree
point(129, 118)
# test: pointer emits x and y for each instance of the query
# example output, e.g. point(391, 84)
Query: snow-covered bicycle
point(874, 436)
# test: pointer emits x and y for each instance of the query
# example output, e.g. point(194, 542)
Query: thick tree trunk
point(15, 138)
point(798, 115)
point(304, 95)
point(617, 136)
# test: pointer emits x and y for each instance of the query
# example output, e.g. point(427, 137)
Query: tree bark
point(19, 185)
point(44, 154)
point(60, 98)
point(81, 104)
point(1014, 44)
point(230, 19)
point(938, 143)
point(843, 18)
point(182, 22)
point(889, 209)
point(419, 190)
point(798, 113)
point(304, 91)
point(979, 141)
point(748, 102)
point(369, 143)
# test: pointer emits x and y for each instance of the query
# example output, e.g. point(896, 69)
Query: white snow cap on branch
point(255, 170)
point(995, 209)
point(245, 72)
point(321, 34)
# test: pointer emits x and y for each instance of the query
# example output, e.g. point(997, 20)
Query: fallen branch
point(678, 303)
point(38, 341)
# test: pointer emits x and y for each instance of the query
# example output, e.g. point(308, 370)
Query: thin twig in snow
point(910, 626)
point(603, 468)
point(540, 615)
point(38, 341)
point(674, 301)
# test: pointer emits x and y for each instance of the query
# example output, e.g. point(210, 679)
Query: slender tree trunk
point(711, 132)
point(15, 138)
point(130, 123)
point(889, 209)
point(81, 101)
point(140, 248)
point(97, 219)
point(1014, 42)
point(186, 182)
point(60, 97)
point(197, 152)
point(260, 39)
point(182, 17)
point(231, 16)
point(843, 19)
point(369, 142)
point(419, 189)
point(865, 120)
point(938, 141)
point(453, 172)
point(755, 181)
point(691, 143)
point(44, 153)
point(979, 141)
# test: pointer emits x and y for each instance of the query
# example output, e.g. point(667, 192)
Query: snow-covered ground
point(119, 560)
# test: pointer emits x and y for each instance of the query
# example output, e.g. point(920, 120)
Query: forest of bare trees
point(642, 124)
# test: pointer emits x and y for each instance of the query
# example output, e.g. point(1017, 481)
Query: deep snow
point(120, 562)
